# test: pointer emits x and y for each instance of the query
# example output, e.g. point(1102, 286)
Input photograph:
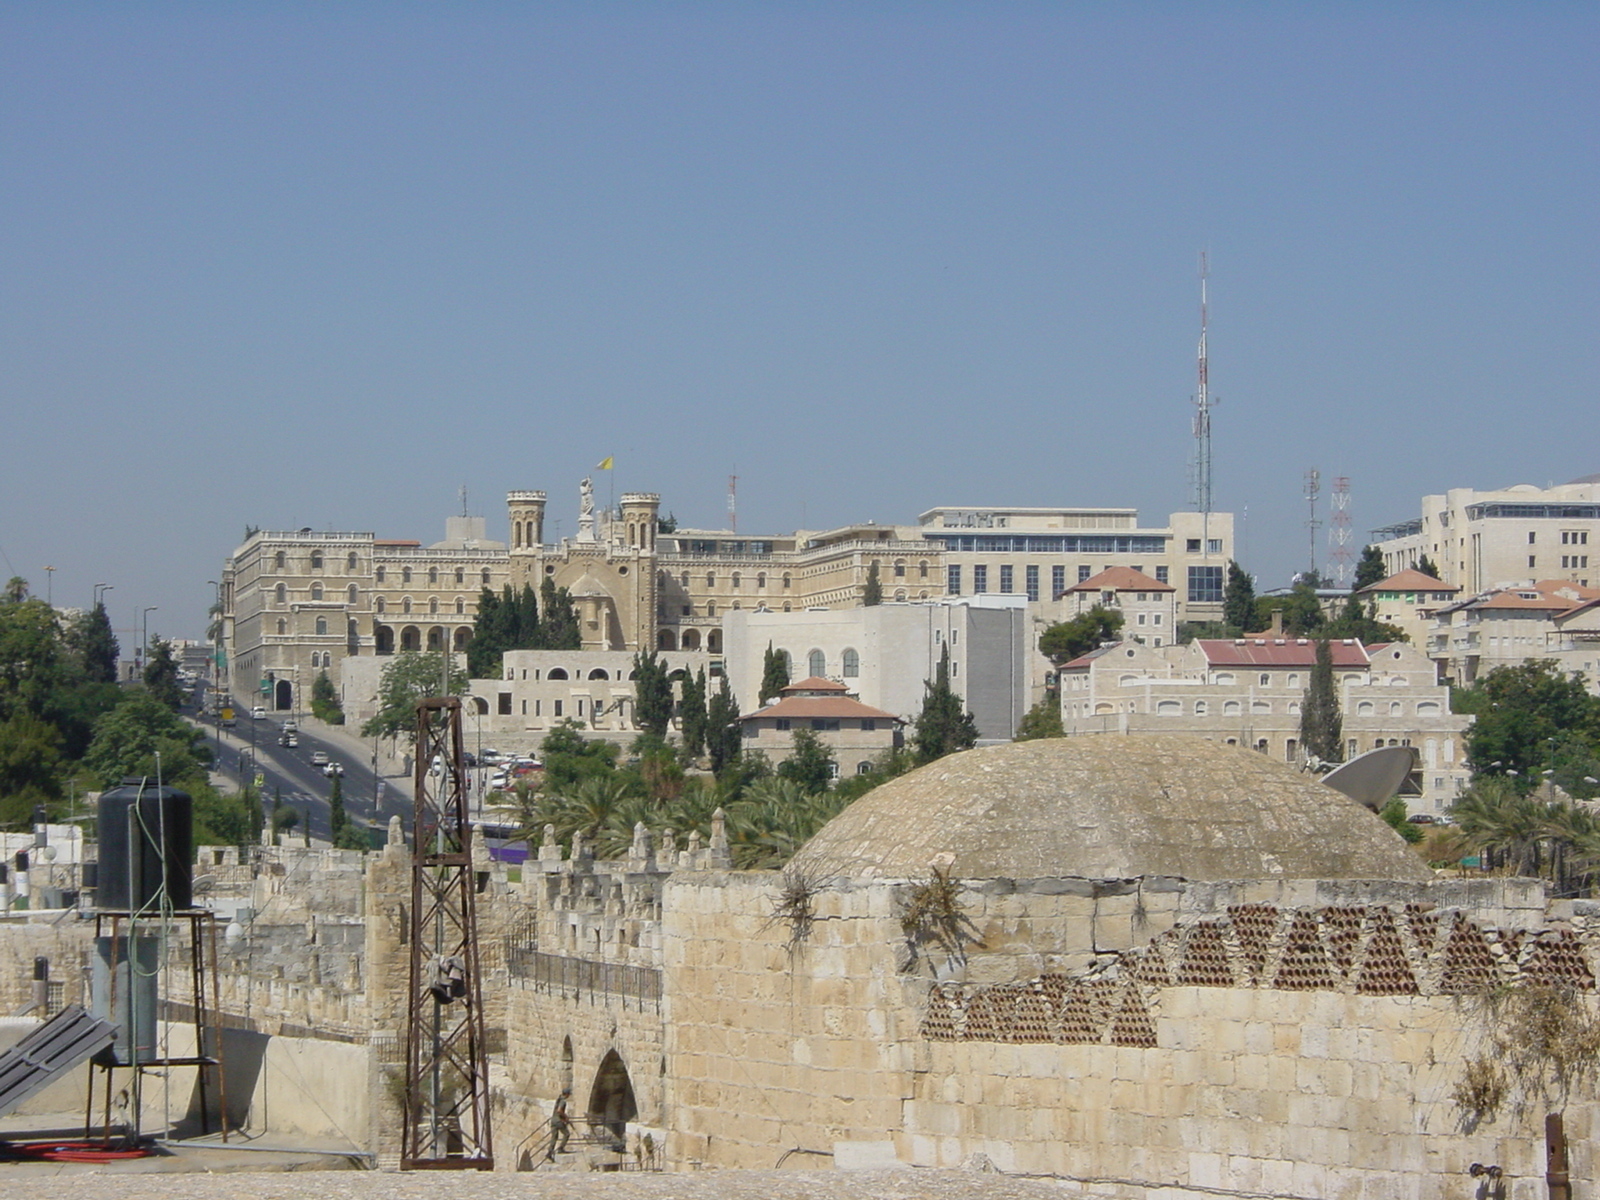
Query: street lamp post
point(144, 634)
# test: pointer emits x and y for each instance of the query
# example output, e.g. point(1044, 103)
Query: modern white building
point(1484, 541)
point(884, 653)
point(1551, 619)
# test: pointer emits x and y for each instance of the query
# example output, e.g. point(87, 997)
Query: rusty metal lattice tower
point(447, 1067)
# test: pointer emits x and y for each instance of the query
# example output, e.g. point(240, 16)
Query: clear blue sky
point(290, 264)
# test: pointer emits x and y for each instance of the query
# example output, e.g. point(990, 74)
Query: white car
point(332, 769)
point(319, 758)
point(499, 781)
point(258, 713)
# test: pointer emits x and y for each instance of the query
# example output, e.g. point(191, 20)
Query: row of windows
point(1574, 537)
point(1574, 560)
point(1058, 578)
point(1234, 708)
point(281, 559)
point(280, 562)
point(560, 673)
point(819, 724)
point(1069, 544)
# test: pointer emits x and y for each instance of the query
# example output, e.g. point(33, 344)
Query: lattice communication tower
point(447, 1064)
point(1313, 490)
point(1202, 418)
point(1340, 537)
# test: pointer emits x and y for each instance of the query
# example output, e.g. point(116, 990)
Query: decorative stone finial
point(721, 856)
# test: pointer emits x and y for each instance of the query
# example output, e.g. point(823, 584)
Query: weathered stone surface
point(1111, 808)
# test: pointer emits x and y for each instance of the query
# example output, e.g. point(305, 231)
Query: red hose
point(84, 1152)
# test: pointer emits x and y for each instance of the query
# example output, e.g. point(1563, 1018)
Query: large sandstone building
point(1150, 966)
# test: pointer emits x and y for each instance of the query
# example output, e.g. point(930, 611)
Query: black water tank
point(129, 882)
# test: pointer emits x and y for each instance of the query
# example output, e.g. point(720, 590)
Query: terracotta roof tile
point(1410, 580)
point(804, 708)
point(1257, 651)
point(1121, 579)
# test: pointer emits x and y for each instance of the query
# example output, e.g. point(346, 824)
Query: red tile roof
point(815, 683)
point(1278, 652)
point(1121, 579)
point(1410, 580)
point(804, 708)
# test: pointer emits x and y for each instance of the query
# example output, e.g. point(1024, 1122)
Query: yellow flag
point(606, 463)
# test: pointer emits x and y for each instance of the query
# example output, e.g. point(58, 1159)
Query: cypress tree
point(774, 675)
point(100, 647)
point(1369, 570)
point(1321, 727)
point(336, 815)
point(943, 727)
point(874, 590)
point(722, 727)
point(652, 693)
point(1239, 599)
point(692, 714)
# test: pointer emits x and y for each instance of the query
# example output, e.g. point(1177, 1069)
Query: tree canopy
point(407, 678)
point(1370, 568)
point(652, 692)
point(1524, 716)
point(161, 675)
point(128, 739)
point(1066, 640)
point(774, 675)
point(723, 731)
point(811, 765)
point(1239, 599)
point(873, 593)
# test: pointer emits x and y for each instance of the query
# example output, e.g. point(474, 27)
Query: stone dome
point(1110, 807)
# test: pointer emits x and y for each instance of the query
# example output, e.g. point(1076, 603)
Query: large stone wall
point(1297, 1039)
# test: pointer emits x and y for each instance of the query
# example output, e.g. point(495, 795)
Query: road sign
point(266, 687)
point(227, 714)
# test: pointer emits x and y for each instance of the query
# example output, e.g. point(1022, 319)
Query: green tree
point(811, 765)
point(692, 714)
point(943, 726)
point(569, 757)
point(1302, 611)
point(128, 738)
point(723, 731)
point(652, 691)
point(873, 593)
point(1239, 599)
point(489, 638)
point(1043, 720)
point(336, 813)
point(161, 675)
point(325, 704)
point(219, 820)
point(1066, 640)
point(1522, 715)
point(30, 766)
point(560, 622)
point(408, 678)
point(1425, 565)
point(33, 669)
point(1394, 814)
point(774, 675)
point(1321, 727)
point(97, 645)
point(16, 590)
point(1360, 621)
point(1370, 568)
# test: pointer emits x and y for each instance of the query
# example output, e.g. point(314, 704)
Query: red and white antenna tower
point(1202, 420)
point(733, 508)
point(1341, 557)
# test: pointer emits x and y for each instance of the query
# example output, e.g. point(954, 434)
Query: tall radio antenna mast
point(1202, 421)
point(1342, 558)
point(1313, 490)
point(733, 510)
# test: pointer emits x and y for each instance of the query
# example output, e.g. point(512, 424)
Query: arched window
point(557, 673)
point(786, 584)
point(378, 605)
point(405, 574)
point(281, 592)
point(485, 574)
point(433, 574)
point(461, 575)
point(1260, 706)
point(411, 638)
point(461, 606)
point(350, 593)
point(316, 560)
point(816, 663)
point(863, 768)
point(350, 561)
point(1364, 708)
point(433, 604)
point(1200, 708)
point(599, 673)
point(322, 626)
point(1427, 708)
point(850, 664)
point(899, 568)
point(1169, 708)
point(922, 570)
point(380, 573)
point(711, 579)
point(684, 580)
point(1231, 708)
point(1293, 680)
point(1394, 708)
point(711, 608)
point(316, 591)
point(283, 627)
point(405, 605)
point(279, 559)
point(761, 580)
point(736, 581)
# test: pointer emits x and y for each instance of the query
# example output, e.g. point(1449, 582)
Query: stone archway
point(283, 696)
point(611, 1102)
point(383, 639)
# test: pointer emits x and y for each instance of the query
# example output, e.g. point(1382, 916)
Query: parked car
point(319, 758)
point(525, 766)
point(332, 769)
point(499, 781)
point(489, 756)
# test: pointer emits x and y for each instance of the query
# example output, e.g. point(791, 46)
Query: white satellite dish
point(1373, 777)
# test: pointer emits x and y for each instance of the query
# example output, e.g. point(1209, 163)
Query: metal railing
point(585, 976)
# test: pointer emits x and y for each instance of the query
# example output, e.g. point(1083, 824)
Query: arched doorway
point(611, 1102)
point(383, 639)
point(411, 638)
point(283, 696)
